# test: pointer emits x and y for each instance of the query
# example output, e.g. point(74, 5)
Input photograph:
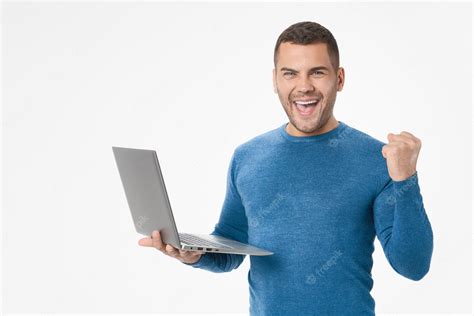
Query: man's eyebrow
point(312, 69)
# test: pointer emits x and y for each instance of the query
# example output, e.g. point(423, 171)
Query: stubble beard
point(319, 119)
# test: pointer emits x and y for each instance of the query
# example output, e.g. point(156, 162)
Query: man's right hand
point(185, 256)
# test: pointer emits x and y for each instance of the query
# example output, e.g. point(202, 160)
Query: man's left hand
point(401, 154)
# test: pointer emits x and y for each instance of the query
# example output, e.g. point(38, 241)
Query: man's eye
point(316, 72)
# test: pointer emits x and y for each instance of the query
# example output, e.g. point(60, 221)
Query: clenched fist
point(182, 255)
point(401, 153)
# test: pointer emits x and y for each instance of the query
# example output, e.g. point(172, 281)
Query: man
point(316, 192)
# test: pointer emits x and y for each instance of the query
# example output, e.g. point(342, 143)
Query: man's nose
point(305, 85)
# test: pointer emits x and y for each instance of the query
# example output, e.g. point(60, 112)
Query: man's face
point(296, 78)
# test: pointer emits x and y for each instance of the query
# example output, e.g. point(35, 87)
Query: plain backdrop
point(193, 81)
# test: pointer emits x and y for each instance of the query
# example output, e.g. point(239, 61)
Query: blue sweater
point(318, 202)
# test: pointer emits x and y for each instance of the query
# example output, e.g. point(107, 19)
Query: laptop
point(150, 206)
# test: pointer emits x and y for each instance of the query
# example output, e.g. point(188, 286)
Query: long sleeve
point(403, 228)
point(232, 224)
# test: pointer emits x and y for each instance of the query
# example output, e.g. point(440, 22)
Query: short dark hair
point(305, 33)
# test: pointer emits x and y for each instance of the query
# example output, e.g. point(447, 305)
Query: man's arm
point(403, 228)
point(232, 224)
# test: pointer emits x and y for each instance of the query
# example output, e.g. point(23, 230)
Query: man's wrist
point(193, 263)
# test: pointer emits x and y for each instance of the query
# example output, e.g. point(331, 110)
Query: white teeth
point(306, 102)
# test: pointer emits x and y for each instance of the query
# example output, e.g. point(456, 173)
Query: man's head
point(306, 62)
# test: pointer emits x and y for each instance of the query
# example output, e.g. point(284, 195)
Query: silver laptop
point(149, 204)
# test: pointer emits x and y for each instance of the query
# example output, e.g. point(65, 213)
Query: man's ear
point(340, 79)
point(274, 80)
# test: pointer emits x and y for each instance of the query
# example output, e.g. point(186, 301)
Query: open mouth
point(306, 108)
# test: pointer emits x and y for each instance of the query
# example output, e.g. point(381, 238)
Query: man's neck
point(331, 124)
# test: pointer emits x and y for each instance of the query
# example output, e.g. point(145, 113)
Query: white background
point(193, 81)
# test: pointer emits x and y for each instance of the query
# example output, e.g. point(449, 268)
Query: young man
point(316, 192)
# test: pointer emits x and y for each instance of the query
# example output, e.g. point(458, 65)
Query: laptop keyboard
point(196, 241)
